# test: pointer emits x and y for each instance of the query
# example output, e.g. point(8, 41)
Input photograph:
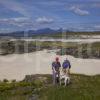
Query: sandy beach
point(16, 66)
point(90, 40)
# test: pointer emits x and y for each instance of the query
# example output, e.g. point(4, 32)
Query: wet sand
point(16, 66)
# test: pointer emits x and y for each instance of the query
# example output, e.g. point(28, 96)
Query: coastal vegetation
point(39, 87)
point(76, 49)
point(67, 35)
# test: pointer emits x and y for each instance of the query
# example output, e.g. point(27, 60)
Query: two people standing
point(56, 68)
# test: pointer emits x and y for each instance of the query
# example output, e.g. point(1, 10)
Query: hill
point(47, 32)
point(31, 33)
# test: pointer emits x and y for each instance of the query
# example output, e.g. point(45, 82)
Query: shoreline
point(61, 40)
point(30, 64)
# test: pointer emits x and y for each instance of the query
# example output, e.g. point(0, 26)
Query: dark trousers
point(56, 76)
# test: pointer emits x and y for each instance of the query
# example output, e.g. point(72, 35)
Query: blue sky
point(79, 15)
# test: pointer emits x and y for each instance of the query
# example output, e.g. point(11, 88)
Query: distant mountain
point(31, 33)
point(44, 31)
point(13, 34)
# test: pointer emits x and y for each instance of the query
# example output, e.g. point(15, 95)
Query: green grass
point(81, 88)
point(16, 91)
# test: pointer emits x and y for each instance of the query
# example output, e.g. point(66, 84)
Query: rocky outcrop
point(45, 79)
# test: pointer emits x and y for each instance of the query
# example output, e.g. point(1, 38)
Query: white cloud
point(20, 21)
point(44, 20)
point(97, 26)
point(79, 11)
point(17, 19)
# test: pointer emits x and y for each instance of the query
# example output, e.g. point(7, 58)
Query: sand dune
point(16, 66)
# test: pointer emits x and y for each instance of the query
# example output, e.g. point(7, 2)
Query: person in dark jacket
point(66, 66)
point(56, 70)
